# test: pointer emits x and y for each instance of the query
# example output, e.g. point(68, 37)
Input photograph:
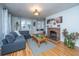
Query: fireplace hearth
point(54, 33)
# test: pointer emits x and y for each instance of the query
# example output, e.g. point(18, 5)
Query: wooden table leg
point(0, 48)
point(38, 44)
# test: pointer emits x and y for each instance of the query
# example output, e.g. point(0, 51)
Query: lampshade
point(36, 12)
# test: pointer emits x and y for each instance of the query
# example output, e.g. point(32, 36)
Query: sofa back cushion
point(10, 38)
point(14, 33)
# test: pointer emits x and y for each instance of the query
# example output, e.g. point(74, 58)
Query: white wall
point(21, 20)
point(26, 22)
point(70, 20)
point(39, 25)
point(14, 20)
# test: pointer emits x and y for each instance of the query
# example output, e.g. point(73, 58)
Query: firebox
point(54, 33)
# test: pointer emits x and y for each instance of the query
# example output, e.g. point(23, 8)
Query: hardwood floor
point(59, 50)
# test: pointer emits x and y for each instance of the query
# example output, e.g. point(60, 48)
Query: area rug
point(39, 49)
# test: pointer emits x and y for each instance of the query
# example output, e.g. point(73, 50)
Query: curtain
point(9, 23)
point(1, 34)
point(6, 21)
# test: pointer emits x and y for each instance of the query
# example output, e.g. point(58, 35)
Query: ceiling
point(46, 9)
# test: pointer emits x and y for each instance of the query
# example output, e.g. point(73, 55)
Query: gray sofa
point(25, 34)
point(12, 42)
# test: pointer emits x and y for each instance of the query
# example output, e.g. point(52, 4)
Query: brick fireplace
point(54, 33)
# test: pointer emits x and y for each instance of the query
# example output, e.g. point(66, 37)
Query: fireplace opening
point(53, 35)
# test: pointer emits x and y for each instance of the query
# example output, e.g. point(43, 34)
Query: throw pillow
point(10, 38)
point(4, 41)
point(14, 33)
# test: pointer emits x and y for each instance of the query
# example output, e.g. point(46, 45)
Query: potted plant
point(65, 33)
point(70, 38)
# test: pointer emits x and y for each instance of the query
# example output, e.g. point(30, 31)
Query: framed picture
point(58, 19)
point(49, 20)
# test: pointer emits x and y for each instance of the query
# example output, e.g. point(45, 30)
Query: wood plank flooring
point(59, 50)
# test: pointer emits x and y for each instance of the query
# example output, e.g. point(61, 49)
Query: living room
point(52, 31)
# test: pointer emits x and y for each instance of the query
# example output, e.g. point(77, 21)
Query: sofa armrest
point(18, 39)
point(11, 47)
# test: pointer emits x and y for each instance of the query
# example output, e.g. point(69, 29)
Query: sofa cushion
point(20, 38)
point(4, 41)
point(10, 38)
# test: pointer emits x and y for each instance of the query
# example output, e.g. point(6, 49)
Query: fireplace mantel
point(53, 29)
point(57, 30)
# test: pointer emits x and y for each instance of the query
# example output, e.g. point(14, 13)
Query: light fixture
point(36, 12)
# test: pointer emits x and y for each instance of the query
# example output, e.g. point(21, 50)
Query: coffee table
point(39, 40)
